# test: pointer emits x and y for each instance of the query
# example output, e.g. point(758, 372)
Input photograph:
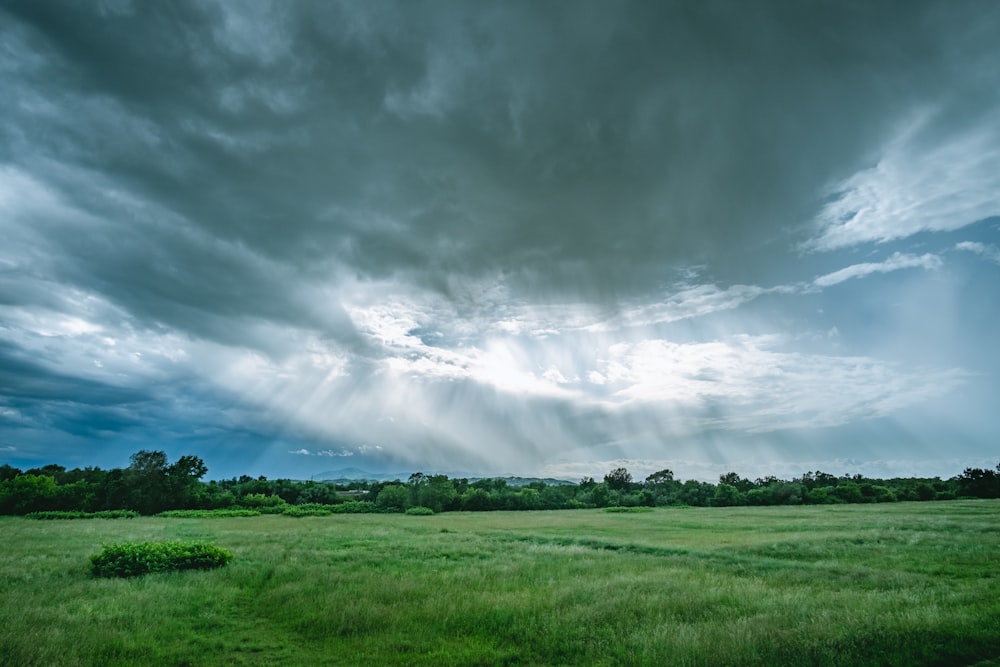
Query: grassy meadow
point(895, 584)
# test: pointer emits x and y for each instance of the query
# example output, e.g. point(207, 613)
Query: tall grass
point(906, 584)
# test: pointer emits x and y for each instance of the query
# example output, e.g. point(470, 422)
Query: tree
point(660, 478)
point(600, 495)
point(786, 493)
point(53, 470)
point(812, 480)
point(618, 479)
point(979, 483)
point(80, 495)
point(146, 482)
point(415, 482)
point(849, 492)
point(318, 492)
point(393, 498)
point(727, 495)
point(476, 499)
point(28, 493)
point(529, 499)
point(739, 483)
point(437, 493)
point(877, 493)
point(555, 497)
point(152, 485)
point(696, 494)
point(821, 495)
point(183, 480)
point(661, 485)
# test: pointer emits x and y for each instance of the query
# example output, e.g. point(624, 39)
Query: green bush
point(55, 515)
point(260, 501)
point(116, 514)
point(308, 509)
point(207, 514)
point(420, 511)
point(640, 508)
point(130, 559)
point(355, 507)
point(271, 509)
point(104, 514)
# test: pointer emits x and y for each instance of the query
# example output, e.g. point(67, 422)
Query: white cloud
point(343, 452)
point(689, 301)
point(921, 183)
point(894, 263)
point(747, 383)
point(553, 374)
point(989, 252)
point(335, 453)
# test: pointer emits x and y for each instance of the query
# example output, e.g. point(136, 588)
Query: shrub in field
point(272, 509)
point(574, 504)
point(56, 514)
point(130, 559)
point(640, 508)
point(308, 509)
point(420, 511)
point(104, 514)
point(207, 514)
point(116, 514)
point(355, 507)
point(266, 504)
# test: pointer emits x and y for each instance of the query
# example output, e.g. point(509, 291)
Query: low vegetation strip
point(66, 515)
point(207, 514)
point(130, 559)
point(628, 510)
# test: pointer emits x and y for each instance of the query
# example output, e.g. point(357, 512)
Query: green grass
point(900, 584)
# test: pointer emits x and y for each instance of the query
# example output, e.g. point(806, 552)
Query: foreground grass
point(900, 584)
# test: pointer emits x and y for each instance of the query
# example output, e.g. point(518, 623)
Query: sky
point(536, 238)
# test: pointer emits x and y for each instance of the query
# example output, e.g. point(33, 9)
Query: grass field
point(895, 584)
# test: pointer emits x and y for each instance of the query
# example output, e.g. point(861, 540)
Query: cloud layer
point(494, 236)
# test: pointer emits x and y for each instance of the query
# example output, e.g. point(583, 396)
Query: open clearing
point(896, 584)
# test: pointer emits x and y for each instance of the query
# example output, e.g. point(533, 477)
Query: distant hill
point(348, 475)
point(525, 481)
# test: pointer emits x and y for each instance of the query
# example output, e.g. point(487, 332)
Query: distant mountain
point(525, 481)
point(348, 475)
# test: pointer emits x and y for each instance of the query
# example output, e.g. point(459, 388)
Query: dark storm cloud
point(25, 380)
point(570, 147)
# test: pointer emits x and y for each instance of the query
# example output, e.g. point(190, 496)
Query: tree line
point(151, 484)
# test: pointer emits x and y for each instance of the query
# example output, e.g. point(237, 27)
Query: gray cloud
point(340, 214)
point(549, 145)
